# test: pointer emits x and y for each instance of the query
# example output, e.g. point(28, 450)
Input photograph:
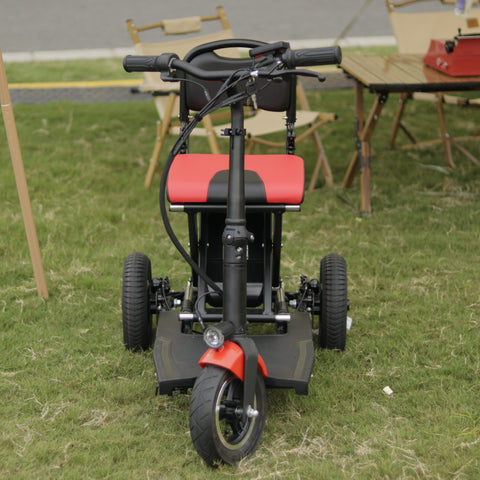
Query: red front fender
point(231, 357)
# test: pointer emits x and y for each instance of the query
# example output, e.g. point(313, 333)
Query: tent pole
point(21, 181)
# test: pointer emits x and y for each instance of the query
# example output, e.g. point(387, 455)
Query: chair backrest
point(414, 30)
point(276, 96)
point(189, 28)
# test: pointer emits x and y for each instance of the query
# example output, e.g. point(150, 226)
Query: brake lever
point(302, 73)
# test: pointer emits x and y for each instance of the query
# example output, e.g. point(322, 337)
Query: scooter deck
point(288, 357)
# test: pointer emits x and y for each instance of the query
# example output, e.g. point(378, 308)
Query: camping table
point(399, 73)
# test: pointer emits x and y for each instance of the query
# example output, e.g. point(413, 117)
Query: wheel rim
point(232, 432)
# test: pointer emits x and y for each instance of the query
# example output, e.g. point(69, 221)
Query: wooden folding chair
point(165, 95)
point(413, 32)
point(264, 123)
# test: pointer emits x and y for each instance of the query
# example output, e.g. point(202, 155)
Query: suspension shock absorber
point(187, 307)
point(281, 300)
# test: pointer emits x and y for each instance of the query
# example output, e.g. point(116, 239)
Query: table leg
point(359, 124)
point(397, 123)
point(361, 160)
point(365, 205)
point(351, 171)
point(444, 132)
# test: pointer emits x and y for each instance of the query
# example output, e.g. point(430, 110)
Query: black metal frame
point(246, 283)
point(263, 263)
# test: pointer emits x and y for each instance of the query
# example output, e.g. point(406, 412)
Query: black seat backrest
point(276, 96)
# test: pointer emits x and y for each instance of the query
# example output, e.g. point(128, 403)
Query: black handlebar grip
point(140, 63)
point(309, 57)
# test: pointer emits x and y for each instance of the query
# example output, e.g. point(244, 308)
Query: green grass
point(76, 404)
point(67, 71)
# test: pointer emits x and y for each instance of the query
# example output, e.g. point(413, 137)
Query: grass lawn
point(76, 404)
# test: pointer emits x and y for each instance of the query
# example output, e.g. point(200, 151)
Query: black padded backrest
point(276, 96)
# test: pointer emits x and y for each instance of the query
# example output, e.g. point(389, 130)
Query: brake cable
point(208, 108)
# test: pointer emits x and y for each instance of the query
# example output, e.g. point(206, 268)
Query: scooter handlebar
point(291, 58)
point(309, 57)
point(141, 63)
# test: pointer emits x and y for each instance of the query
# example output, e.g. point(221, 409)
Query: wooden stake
point(21, 181)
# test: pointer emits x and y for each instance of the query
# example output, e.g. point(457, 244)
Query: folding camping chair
point(165, 96)
point(265, 122)
point(413, 32)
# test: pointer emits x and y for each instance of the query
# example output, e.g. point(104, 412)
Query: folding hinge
point(290, 139)
point(238, 132)
point(184, 147)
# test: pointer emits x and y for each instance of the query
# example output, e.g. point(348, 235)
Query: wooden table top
point(403, 73)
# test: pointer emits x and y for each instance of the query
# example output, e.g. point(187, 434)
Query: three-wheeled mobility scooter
point(206, 335)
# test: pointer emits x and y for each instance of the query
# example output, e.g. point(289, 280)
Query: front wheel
point(217, 428)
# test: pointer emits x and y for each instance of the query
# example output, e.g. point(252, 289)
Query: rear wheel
point(218, 430)
point(334, 302)
point(136, 295)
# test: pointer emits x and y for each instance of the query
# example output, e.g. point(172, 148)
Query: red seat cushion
point(202, 178)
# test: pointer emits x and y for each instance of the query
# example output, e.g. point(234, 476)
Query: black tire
point(219, 436)
point(136, 295)
point(334, 302)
